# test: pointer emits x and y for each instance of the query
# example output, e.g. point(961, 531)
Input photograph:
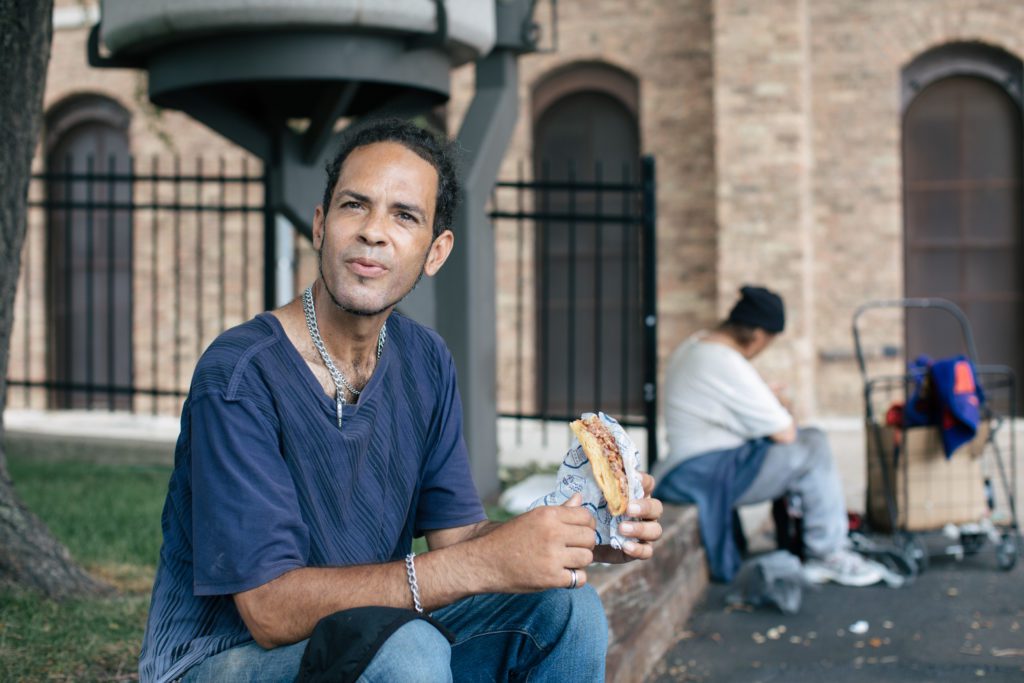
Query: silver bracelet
point(414, 587)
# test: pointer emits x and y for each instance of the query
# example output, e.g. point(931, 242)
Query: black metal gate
point(577, 297)
point(576, 288)
point(127, 275)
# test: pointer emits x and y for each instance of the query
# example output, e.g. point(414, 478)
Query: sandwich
point(606, 461)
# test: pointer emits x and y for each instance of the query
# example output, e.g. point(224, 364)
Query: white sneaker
point(843, 567)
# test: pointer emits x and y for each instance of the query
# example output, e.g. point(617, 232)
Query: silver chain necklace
point(340, 383)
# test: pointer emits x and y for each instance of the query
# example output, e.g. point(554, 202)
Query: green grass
point(109, 517)
point(105, 514)
point(78, 640)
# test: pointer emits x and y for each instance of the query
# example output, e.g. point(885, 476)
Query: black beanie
point(759, 307)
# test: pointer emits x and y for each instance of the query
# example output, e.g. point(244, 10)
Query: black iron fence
point(577, 296)
point(127, 275)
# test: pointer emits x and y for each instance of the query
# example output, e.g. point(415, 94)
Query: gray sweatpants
point(805, 467)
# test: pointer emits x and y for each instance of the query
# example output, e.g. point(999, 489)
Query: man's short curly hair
point(434, 149)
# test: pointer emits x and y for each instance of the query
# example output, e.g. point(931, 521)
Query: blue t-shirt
point(264, 481)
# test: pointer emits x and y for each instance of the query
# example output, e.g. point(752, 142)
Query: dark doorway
point(962, 202)
point(90, 267)
point(588, 272)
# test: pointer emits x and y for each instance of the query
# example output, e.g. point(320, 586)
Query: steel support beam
point(465, 287)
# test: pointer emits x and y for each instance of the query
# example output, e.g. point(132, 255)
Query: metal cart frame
point(910, 554)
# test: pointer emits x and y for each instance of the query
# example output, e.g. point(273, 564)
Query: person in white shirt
point(733, 442)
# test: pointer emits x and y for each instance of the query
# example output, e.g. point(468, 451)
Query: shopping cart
point(927, 505)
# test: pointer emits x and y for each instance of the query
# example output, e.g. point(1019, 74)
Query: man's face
point(377, 237)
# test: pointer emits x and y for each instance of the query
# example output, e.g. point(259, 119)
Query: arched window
point(589, 349)
point(89, 253)
point(962, 198)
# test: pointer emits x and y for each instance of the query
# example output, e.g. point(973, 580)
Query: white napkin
point(575, 476)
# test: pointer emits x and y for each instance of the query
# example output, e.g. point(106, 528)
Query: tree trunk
point(30, 556)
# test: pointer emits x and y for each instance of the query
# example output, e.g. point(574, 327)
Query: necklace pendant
point(340, 384)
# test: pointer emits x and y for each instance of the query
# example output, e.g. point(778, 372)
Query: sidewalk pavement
point(958, 622)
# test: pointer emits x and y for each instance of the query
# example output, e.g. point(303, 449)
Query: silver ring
point(575, 578)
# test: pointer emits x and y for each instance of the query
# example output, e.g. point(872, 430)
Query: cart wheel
point(972, 543)
point(1006, 553)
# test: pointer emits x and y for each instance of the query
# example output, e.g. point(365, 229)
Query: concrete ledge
point(648, 603)
point(91, 436)
point(87, 449)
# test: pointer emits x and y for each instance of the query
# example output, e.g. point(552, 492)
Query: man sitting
point(318, 439)
point(732, 442)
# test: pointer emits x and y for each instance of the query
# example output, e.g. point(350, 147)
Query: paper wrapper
point(575, 476)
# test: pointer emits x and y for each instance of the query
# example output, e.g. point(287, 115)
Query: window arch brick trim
point(586, 76)
point(75, 110)
point(962, 59)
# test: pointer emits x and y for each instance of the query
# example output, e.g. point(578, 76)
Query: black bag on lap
point(343, 644)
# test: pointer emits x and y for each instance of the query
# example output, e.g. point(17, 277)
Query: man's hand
point(647, 530)
point(782, 393)
point(536, 550)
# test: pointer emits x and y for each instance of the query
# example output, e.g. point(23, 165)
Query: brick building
point(779, 131)
point(838, 151)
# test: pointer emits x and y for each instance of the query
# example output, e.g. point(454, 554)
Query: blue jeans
point(557, 635)
point(806, 467)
